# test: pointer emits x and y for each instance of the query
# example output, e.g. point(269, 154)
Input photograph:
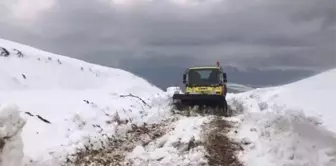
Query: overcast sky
point(138, 34)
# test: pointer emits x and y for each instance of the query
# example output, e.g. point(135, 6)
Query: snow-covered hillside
point(44, 70)
point(68, 106)
point(292, 124)
point(75, 113)
point(64, 100)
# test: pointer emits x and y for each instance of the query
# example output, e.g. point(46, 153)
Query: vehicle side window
point(221, 77)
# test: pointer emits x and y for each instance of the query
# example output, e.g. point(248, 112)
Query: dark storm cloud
point(297, 33)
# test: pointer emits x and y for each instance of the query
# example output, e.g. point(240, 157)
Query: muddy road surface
point(184, 138)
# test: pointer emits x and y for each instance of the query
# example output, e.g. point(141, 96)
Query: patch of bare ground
point(220, 148)
point(114, 148)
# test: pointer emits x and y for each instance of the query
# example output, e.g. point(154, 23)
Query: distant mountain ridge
point(252, 77)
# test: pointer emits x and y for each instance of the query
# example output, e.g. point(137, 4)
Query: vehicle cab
point(205, 80)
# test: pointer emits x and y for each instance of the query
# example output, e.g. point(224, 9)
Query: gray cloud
point(246, 33)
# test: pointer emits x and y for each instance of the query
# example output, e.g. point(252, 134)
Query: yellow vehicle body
point(207, 90)
point(204, 86)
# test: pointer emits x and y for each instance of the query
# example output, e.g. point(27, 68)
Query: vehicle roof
point(204, 67)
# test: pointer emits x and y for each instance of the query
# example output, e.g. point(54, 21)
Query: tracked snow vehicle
point(205, 87)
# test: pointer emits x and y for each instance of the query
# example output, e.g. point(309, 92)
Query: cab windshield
point(203, 77)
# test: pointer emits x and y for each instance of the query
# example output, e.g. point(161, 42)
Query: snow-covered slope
point(293, 124)
point(45, 70)
point(315, 96)
point(65, 100)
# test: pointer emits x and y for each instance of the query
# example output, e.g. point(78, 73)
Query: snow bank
point(66, 100)
point(315, 96)
point(292, 124)
point(11, 145)
point(286, 139)
point(174, 146)
point(173, 90)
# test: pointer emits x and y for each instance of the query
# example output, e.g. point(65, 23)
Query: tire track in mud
point(151, 138)
point(115, 148)
point(214, 144)
point(222, 151)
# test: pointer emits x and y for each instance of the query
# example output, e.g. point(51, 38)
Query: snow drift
point(292, 124)
point(11, 145)
point(65, 100)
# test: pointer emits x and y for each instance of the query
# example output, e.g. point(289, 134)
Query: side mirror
point(184, 78)
point(224, 77)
